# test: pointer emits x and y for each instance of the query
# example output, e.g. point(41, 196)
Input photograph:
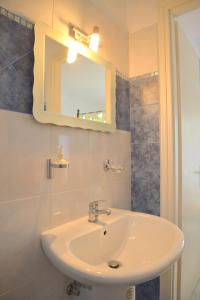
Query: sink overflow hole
point(105, 232)
point(114, 264)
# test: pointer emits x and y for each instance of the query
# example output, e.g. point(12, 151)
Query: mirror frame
point(41, 32)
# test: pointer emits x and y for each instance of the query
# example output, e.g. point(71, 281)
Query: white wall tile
point(75, 144)
point(21, 222)
point(23, 153)
point(30, 203)
point(69, 205)
point(51, 285)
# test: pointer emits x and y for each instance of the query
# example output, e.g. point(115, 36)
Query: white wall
point(190, 115)
point(141, 14)
point(130, 15)
point(143, 51)
point(31, 203)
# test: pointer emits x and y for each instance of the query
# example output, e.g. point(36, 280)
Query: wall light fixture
point(92, 41)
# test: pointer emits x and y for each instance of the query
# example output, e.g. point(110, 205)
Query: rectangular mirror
point(79, 94)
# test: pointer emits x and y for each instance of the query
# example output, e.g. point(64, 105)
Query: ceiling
point(190, 24)
point(130, 15)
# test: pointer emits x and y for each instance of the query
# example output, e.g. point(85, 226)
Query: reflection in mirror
point(77, 89)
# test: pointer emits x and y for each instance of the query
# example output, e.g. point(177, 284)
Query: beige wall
point(143, 51)
point(83, 14)
point(141, 14)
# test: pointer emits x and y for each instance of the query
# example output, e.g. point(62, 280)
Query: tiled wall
point(16, 65)
point(31, 203)
point(145, 151)
point(144, 110)
point(122, 103)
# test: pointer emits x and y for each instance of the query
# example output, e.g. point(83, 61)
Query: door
point(189, 83)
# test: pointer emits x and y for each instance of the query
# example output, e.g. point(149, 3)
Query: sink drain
point(114, 264)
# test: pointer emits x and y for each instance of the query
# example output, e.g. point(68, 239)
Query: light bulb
point(94, 39)
point(71, 53)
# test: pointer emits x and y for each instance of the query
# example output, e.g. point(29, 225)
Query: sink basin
point(123, 248)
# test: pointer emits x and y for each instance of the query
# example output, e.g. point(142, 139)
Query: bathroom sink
point(123, 248)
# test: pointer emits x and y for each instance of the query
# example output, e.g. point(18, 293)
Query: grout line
point(28, 198)
point(135, 105)
point(16, 18)
point(15, 61)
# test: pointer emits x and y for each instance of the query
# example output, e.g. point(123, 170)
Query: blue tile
point(140, 160)
point(122, 104)
point(145, 179)
point(140, 194)
point(16, 66)
point(149, 290)
point(154, 161)
point(153, 205)
point(145, 123)
point(144, 91)
point(16, 83)
point(16, 39)
point(4, 59)
point(135, 94)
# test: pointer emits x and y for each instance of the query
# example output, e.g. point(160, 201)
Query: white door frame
point(170, 133)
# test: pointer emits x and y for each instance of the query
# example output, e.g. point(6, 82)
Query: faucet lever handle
point(93, 204)
point(100, 201)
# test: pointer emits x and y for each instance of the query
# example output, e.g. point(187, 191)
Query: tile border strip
point(145, 76)
point(123, 76)
point(16, 18)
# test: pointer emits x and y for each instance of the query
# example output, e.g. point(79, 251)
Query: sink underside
point(143, 246)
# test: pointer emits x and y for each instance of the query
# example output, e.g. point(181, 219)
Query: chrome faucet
point(94, 211)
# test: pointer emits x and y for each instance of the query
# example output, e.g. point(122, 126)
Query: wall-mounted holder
point(108, 166)
point(59, 163)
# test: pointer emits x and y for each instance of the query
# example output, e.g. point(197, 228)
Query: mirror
point(79, 87)
point(79, 94)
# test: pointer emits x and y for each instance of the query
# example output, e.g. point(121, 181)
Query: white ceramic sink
point(144, 246)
